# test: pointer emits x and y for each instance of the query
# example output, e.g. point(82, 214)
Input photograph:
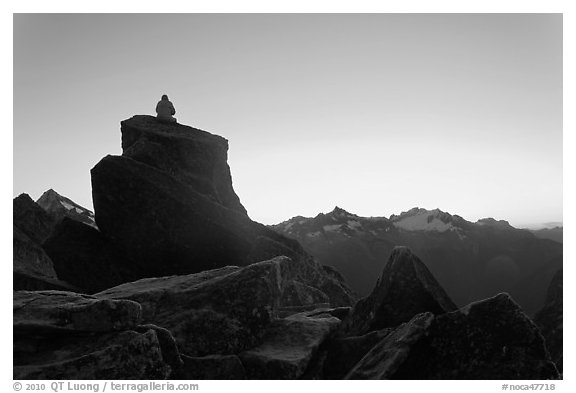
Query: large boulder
point(121, 355)
point(288, 346)
point(83, 257)
point(405, 288)
point(221, 311)
point(550, 319)
point(60, 311)
point(169, 206)
point(489, 339)
point(63, 335)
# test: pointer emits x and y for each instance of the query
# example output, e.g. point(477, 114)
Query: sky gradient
point(375, 113)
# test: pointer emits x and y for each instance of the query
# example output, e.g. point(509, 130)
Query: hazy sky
point(375, 113)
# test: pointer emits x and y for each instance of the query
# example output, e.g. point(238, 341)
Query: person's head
point(164, 97)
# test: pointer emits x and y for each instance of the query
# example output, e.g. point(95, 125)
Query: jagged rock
point(212, 367)
point(83, 257)
point(288, 346)
point(168, 204)
point(550, 319)
point(221, 311)
point(405, 288)
point(58, 207)
point(32, 268)
point(58, 311)
point(119, 355)
point(489, 339)
point(192, 156)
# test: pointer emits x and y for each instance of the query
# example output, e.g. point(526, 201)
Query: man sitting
point(165, 110)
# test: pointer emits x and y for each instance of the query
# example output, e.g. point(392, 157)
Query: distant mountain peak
point(338, 211)
point(59, 206)
point(418, 211)
point(489, 221)
point(419, 219)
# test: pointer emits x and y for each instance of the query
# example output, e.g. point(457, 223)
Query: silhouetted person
point(165, 110)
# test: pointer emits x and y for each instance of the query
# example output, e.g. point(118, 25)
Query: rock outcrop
point(63, 335)
point(550, 319)
point(405, 288)
point(168, 205)
point(490, 339)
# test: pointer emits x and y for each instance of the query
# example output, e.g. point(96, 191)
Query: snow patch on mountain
point(423, 222)
point(331, 228)
point(353, 224)
point(66, 205)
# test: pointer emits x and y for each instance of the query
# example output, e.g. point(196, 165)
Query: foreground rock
point(550, 319)
point(221, 311)
point(490, 339)
point(63, 335)
point(56, 311)
point(288, 346)
point(405, 288)
point(123, 355)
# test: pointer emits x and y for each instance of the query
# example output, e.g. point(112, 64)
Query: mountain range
point(471, 260)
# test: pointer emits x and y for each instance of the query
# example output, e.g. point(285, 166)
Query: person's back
point(165, 110)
